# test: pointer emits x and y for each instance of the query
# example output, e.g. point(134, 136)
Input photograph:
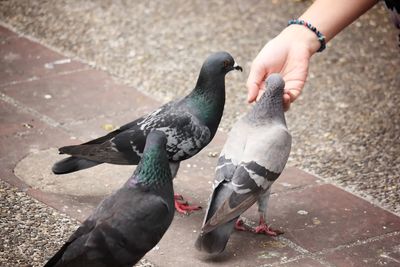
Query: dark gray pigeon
point(190, 124)
point(253, 157)
point(130, 222)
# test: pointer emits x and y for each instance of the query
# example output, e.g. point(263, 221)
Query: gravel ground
point(32, 231)
point(345, 126)
point(22, 219)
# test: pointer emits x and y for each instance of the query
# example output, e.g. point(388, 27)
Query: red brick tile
point(381, 252)
point(77, 96)
point(94, 127)
point(333, 217)
point(243, 249)
point(22, 59)
point(17, 140)
point(12, 121)
point(292, 178)
point(6, 34)
point(304, 262)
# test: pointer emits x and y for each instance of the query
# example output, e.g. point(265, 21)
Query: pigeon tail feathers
point(214, 242)
point(72, 164)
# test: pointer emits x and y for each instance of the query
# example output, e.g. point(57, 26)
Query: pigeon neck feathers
point(207, 99)
point(153, 170)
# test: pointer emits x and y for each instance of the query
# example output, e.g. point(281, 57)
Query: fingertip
point(286, 107)
point(286, 102)
point(251, 98)
point(255, 80)
point(252, 92)
point(286, 98)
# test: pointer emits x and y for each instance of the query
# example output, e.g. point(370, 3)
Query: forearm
point(332, 16)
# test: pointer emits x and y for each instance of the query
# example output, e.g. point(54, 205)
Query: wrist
point(303, 36)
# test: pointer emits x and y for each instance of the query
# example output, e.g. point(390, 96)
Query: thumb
point(293, 89)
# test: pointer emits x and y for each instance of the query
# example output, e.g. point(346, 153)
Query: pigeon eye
point(226, 63)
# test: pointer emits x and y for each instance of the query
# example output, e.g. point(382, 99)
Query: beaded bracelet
point(321, 37)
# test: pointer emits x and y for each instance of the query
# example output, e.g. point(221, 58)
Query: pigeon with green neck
point(253, 157)
point(190, 124)
point(130, 222)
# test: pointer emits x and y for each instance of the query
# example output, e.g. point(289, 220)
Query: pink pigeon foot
point(263, 228)
point(240, 226)
point(182, 206)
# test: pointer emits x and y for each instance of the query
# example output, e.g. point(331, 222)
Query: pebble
point(302, 212)
point(212, 154)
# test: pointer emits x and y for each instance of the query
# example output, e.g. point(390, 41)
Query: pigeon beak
point(237, 67)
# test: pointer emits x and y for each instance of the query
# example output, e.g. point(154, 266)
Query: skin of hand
point(288, 54)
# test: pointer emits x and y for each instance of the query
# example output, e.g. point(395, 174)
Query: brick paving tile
point(21, 134)
point(22, 59)
point(76, 96)
point(375, 252)
point(293, 178)
point(97, 126)
point(324, 216)
point(6, 34)
point(244, 249)
point(303, 262)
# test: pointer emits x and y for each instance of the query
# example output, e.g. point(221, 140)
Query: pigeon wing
point(223, 175)
point(135, 226)
point(227, 164)
point(186, 137)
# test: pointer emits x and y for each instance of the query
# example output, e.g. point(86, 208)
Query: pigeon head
point(270, 105)
point(207, 99)
point(274, 86)
point(214, 69)
point(219, 63)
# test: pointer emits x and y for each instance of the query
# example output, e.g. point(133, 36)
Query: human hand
point(288, 54)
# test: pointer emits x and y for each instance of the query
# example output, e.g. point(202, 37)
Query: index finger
point(255, 80)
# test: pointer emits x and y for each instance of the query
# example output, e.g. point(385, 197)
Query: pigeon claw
point(265, 229)
point(240, 226)
point(182, 206)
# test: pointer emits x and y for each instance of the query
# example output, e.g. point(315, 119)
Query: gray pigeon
point(130, 222)
point(190, 124)
point(253, 157)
